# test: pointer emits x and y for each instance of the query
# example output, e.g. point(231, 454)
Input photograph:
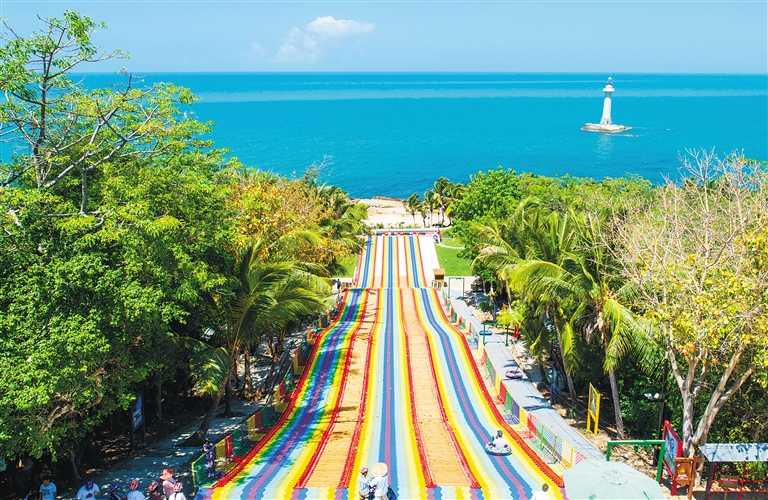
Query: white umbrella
point(604, 480)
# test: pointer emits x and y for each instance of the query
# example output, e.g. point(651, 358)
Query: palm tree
point(274, 291)
point(581, 283)
point(412, 205)
point(442, 190)
point(509, 246)
point(456, 192)
point(432, 201)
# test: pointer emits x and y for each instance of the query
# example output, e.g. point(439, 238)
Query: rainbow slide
point(393, 381)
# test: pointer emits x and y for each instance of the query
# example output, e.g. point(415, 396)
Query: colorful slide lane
point(391, 381)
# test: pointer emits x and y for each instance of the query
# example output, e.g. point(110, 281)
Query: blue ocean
point(393, 134)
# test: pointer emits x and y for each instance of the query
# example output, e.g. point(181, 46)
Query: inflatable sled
point(492, 450)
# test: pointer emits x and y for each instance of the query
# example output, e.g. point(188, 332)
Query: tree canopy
point(123, 233)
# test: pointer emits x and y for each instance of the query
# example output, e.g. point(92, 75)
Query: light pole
point(492, 295)
point(660, 398)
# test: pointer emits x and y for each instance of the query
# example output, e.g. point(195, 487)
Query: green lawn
point(451, 262)
point(349, 268)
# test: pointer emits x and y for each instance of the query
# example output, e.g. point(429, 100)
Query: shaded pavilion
point(718, 453)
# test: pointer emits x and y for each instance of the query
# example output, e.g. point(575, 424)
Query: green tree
point(275, 291)
point(699, 257)
point(115, 224)
point(412, 205)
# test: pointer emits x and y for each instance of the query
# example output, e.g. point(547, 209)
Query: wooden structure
point(439, 281)
point(685, 473)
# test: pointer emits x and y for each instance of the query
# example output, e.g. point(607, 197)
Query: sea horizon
point(394, 133)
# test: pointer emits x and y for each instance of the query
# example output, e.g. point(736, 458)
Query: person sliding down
point(500, 444)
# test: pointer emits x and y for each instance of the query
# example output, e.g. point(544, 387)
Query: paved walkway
point(148, 464)
point(523, 391)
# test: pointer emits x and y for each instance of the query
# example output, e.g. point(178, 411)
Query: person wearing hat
point(88, 492)
point(364, 485)
point(500, 443)
point(135, 494)
point(178, 492)
point(380, 483)
point(48, 489)
point(152, 489)
point(113, 494)
point(168, 482)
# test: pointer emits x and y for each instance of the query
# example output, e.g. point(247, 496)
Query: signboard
point(137, 412)
point(593, 408)
point(673, 447)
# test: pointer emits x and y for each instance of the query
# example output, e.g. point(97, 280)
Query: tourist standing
point(380, 482)
point(542, 495)
point(88, 492)
point(168, 482)
point(364, 484)
point(134, 493)
point(152, 489)
point(113, 494)
point(48, 490)
point(178, 493)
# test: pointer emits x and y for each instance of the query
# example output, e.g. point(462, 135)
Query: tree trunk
point(198, 438)
point(73, 461)
point(84, 192)
point(616, 404)
point(568, 378)
point(159, 400)
point(247, 378)
point(228, 397)
point(569, 381)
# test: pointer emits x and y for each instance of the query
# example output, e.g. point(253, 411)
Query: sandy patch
point(389, 213)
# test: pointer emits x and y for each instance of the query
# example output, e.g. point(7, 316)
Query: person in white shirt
point(135, 494)
point(178, 493)
point(47, 489)
point(542, 495)
point(500, 443)
point(364, 484)
point(168, 482)
point(380, 486)
point(88, 492)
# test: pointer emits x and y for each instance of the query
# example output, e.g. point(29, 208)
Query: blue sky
point(515, 36)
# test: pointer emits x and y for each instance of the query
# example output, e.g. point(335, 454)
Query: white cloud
point(322, 35)
point(288, 52)
point(257, 51)
point(329, 27)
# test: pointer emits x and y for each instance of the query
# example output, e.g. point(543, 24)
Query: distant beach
point(388, 212)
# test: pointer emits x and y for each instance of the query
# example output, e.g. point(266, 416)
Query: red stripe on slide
point(428, 475)
point(468, 474)
point(246, 460)
point(302, 483)
point(346, 473)
point(523, 445)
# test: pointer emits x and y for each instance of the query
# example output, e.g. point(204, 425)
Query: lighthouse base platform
point(607, 129)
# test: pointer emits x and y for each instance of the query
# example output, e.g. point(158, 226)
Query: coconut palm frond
point(567, 347)
point(211, 368)
point(622, 329)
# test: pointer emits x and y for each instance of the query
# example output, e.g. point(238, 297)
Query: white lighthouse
point(606, 119)
point(606, 125)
